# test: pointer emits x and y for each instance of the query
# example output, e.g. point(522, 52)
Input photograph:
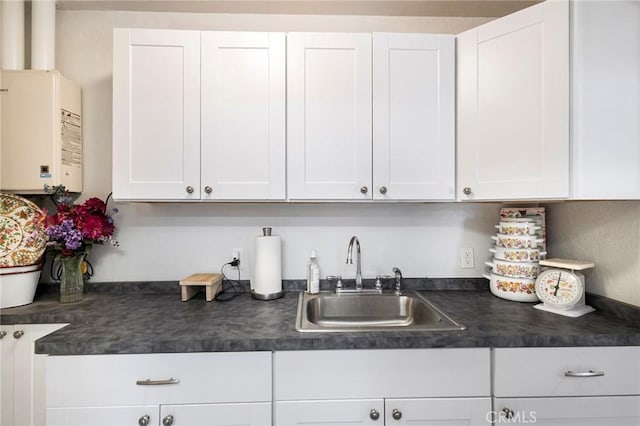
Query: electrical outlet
point(238, 253)
point(466, 258)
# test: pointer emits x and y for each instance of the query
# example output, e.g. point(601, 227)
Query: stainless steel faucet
point(358, 260)
point(398, 274)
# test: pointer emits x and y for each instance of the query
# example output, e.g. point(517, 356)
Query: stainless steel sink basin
point(328, 312)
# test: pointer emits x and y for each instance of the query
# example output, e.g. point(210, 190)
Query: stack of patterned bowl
point(515, 263)
point(22, 243)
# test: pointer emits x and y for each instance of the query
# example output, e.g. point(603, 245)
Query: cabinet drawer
point(103, 380)
point(567, 371)
point(576, 411)
point(391, 373)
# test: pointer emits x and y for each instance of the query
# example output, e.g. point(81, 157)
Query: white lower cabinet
point(576, 386)
point(104, 416)
point(196, 389)
point(577, 411)
point(391, 412)
point(438, 411)
point(330, 412)
point(249, 414)
point(22, 374)
point(581, 386)
point(383, 387)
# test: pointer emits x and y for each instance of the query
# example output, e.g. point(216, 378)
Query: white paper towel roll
point(268, 270)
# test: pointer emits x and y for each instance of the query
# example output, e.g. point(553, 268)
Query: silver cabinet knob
point(396, 414)
point(18, 334)
point(374, 414)
point(208, 189)
point(189, 189)
point(168, 420)
point(508, 413)
point(383, 190)
point(144, 420)
point(2, 334)
point(364, 189)
point(466, 190)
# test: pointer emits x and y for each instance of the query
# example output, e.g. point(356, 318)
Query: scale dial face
point(559, 288)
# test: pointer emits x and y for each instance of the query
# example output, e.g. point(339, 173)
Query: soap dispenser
point(313, 274)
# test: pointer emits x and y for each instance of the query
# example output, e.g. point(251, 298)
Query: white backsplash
point(170, 241)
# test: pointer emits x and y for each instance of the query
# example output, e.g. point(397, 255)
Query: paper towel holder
point(267, 281)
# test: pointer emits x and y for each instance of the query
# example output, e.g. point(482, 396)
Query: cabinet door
point(413, 116)
point(7, 395)
point(513, 100)
point(104, 416)
point(243, 116)
point(605, 135)
point(585, 411)
point(557, 371)
point(330, 412)
point(437, 411)
point(22, 374)
point(250, 414)
point(329, 116)
point(156, 114)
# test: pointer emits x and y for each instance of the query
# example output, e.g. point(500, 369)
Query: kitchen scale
point(561, 289)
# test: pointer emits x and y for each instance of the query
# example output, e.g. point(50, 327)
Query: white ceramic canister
point(515, 269)
point(517, 255)
point(517, 227)
point(517, 241)
point(18, 285)
point(516, 289)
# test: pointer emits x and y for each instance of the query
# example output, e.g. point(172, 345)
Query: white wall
point(170, 241)
point(605, 232)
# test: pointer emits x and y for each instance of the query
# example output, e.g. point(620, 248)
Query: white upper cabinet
point(156, 114)
point(198, 115)
point(513, 106)
point(329, 116)
point(336, 150)
point(413, 116)
point(605, 99)
point(243, 116)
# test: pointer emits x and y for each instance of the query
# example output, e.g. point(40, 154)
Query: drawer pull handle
point(150, 382)
point(589, 373)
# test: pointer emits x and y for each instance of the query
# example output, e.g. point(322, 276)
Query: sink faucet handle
point(398, 275)
point(337, 278)
point(379, 279)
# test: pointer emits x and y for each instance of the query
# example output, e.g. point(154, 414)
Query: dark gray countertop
point(158, 322)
